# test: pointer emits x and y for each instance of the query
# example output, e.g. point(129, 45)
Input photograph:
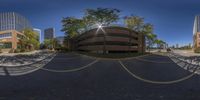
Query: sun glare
point(100, 27)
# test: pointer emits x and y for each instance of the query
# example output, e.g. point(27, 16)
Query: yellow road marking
point(70, 70)
point(153, 61)
point(155, 82)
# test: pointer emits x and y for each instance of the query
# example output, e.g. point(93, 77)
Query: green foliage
point(17, 50)
point(51, 43)
point(135, 23)
point(62, 49)
point(29, 41)
point(11, 51)
point(159, 43)
point(47, 43)
point(23, 50)
point(104, 16)
point(88, 21)
point(150, 39)
point(71, 26)
point(197, 50)
point(147, 29)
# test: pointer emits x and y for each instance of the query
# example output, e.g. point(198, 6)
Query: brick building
point(11, 29)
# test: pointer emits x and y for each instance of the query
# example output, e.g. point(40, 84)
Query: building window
point(5, 35)
point(6, 45)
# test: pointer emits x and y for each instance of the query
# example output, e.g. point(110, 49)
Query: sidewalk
point(186, 53)
point(23, 53)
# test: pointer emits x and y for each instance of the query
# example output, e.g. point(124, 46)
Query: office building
point(49, 33)
point(177, 46)
point(196, 32)
point(11, 29)
point(39, 34)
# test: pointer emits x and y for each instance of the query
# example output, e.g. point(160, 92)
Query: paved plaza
point(70, 76)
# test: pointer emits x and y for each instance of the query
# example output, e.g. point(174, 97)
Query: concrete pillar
point(14, 40)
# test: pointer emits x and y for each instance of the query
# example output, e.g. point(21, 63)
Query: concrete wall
point(114, 38)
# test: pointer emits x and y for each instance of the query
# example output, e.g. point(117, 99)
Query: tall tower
point(196, 32)
point(49, 33)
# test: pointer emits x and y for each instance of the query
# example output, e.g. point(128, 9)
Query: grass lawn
point(113, 55)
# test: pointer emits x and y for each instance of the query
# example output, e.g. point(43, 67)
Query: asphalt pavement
point(103, 80)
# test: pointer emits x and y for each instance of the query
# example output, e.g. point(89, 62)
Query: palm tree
point(159, 43)
point(151, 40)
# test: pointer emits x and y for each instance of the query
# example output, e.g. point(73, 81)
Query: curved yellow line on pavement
point(155, 82)
point(145, 60)
point(70, 70)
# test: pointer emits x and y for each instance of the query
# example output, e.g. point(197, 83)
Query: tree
point(149, 35)
point(71, 26)
point(88, 22)
point(151, 40)
point(29, 40)
point(159, 43)
point(102, 16)
point(50, 43)
point(135, 23)
point(47, 43)
point(55, 43)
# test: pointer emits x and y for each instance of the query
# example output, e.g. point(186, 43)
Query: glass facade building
point(196, 32)
point(49, 33)
point(11, 28)
point(13, 21)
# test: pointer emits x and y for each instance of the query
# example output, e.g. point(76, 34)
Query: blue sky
point(172, 19)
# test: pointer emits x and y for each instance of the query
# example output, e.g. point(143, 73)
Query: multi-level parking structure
point(110, 40)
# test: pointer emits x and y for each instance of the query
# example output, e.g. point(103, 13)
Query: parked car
point(169, 49)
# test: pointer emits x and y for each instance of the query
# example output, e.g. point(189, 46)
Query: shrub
point(64, 49)
point(22, 50)
point(16, 51)
point(11, 51)
point(197, 50)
